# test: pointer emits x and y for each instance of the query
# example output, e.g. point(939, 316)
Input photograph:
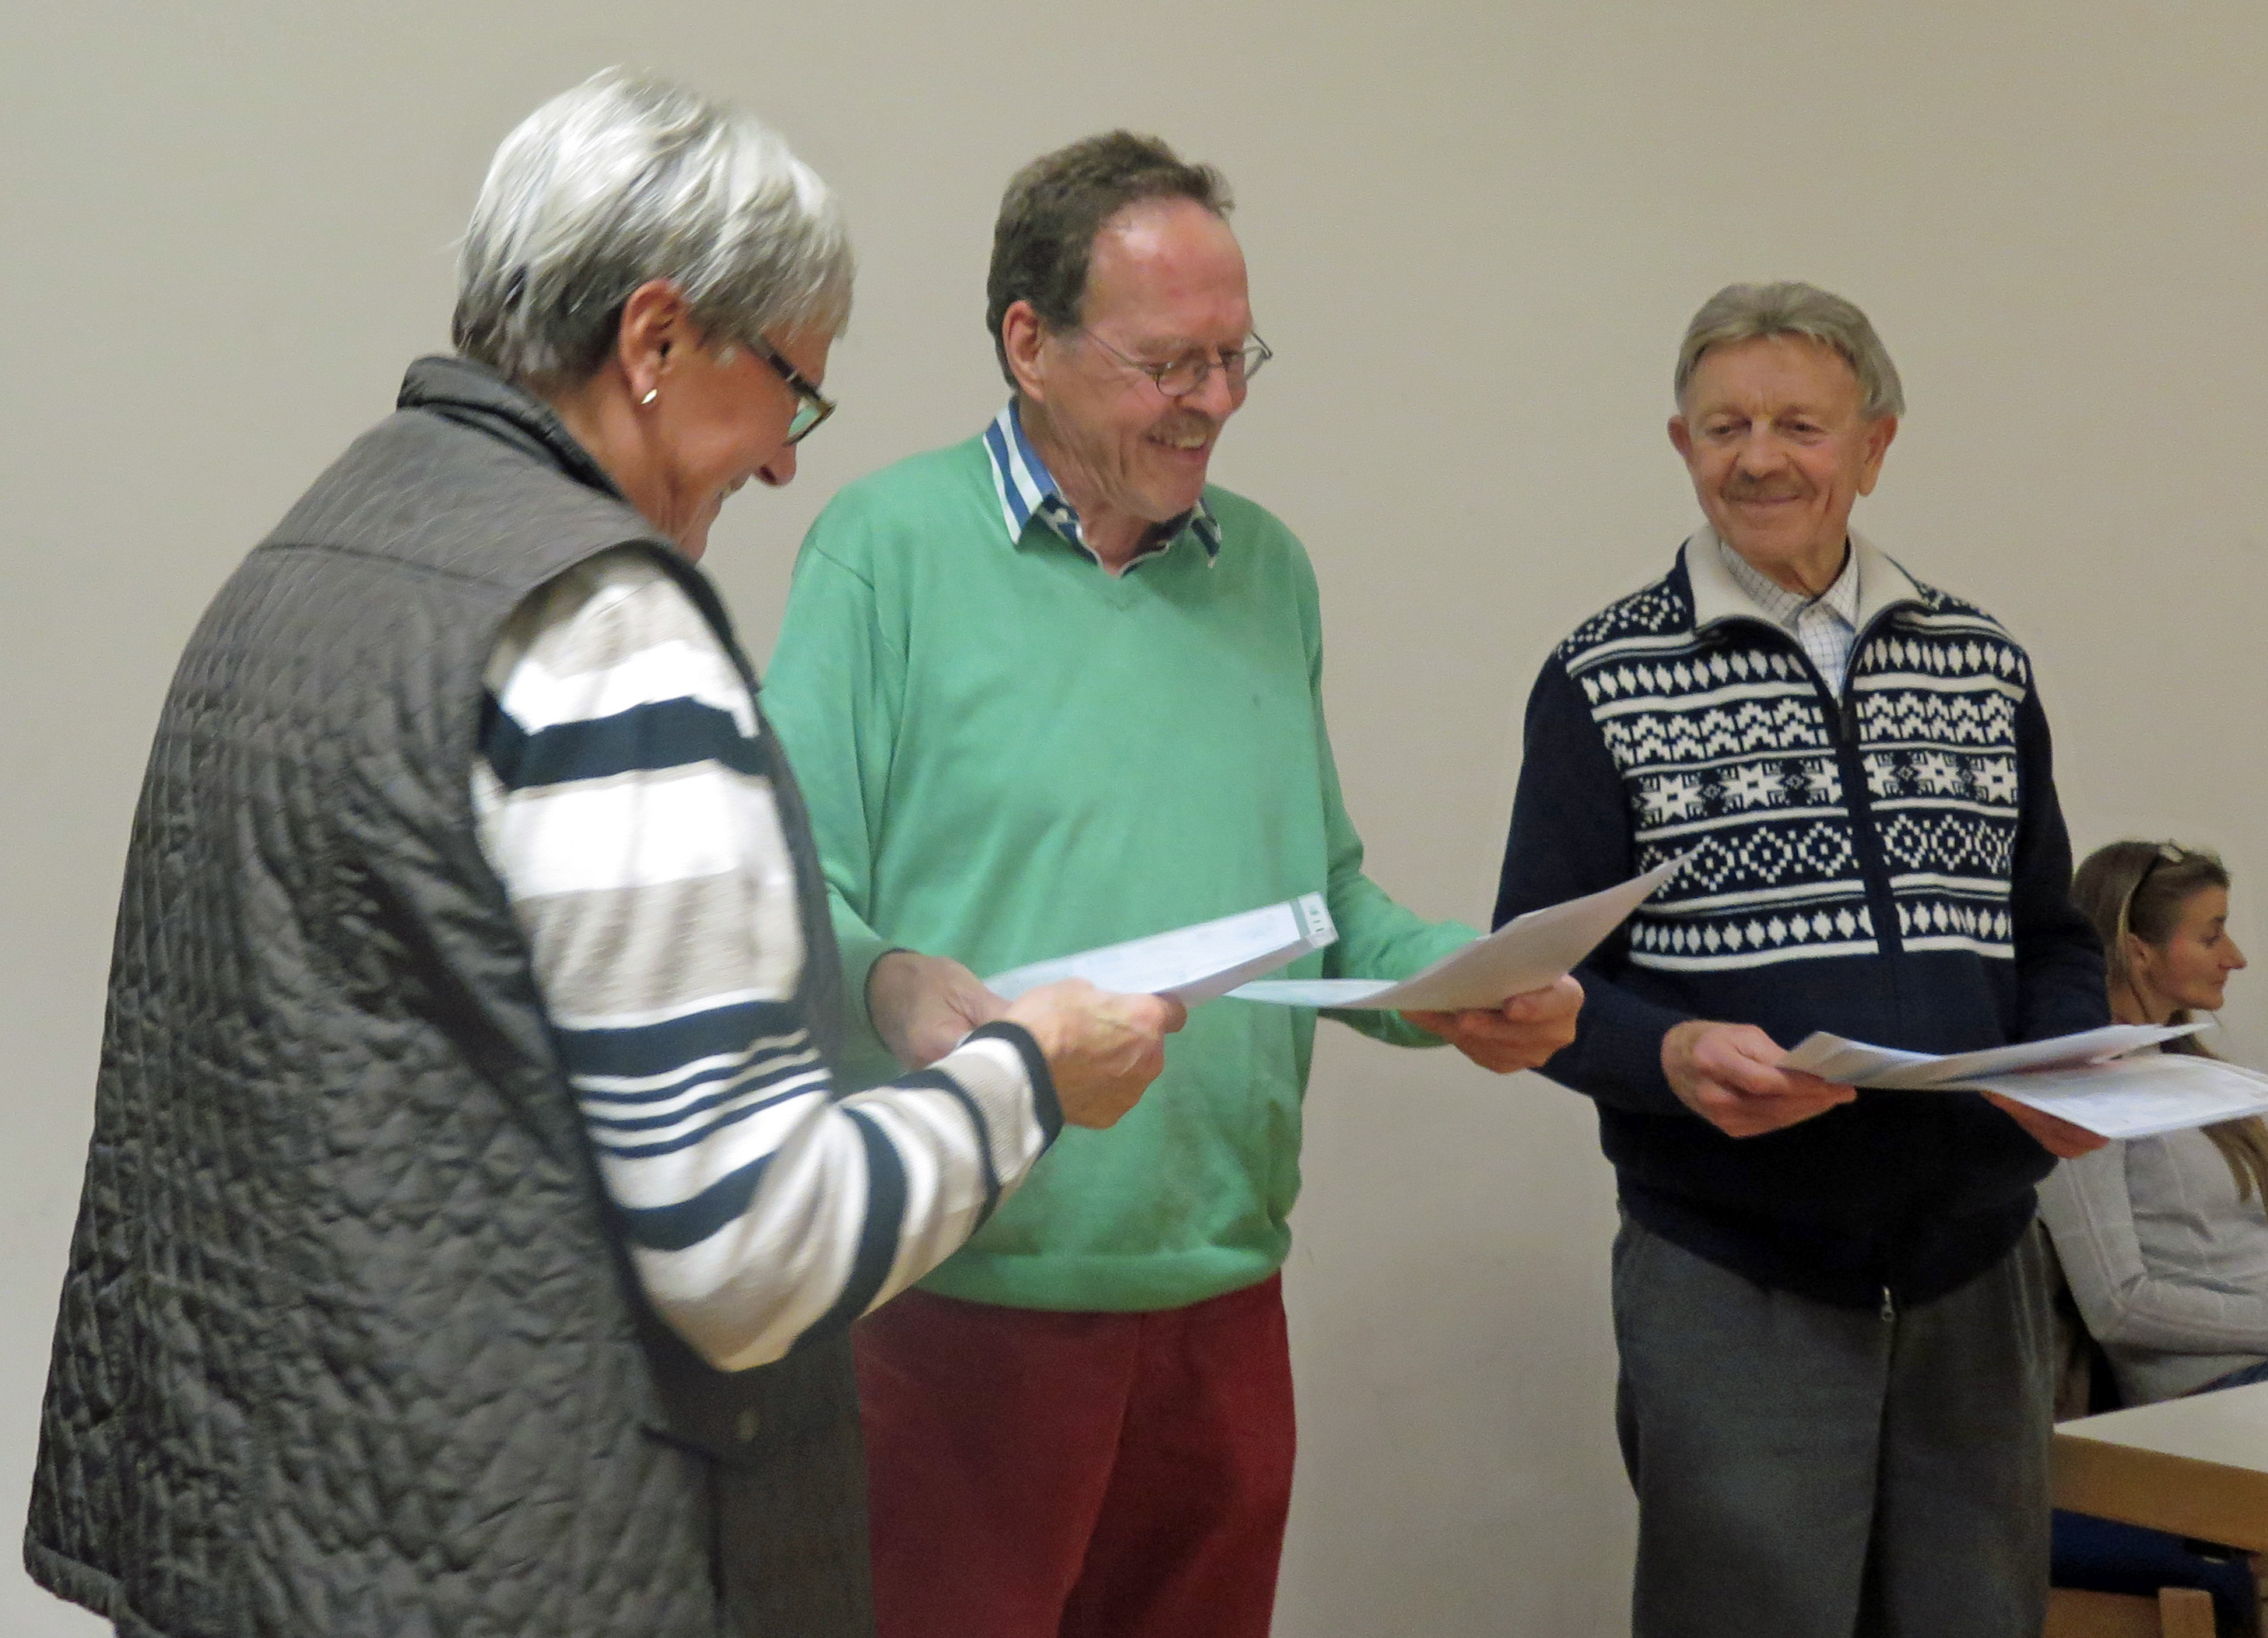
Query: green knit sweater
point(1010, 754)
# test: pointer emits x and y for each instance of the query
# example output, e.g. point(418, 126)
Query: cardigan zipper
point(1842, 715)
point(1874, 864)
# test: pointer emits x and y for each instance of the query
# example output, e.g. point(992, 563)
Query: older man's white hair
point(1747, 313)
point(628, 179)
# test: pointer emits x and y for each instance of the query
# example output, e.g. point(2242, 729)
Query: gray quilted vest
point(348, 1345)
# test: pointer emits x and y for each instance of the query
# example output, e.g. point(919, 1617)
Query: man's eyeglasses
point(812, 406)
point(1184, 376)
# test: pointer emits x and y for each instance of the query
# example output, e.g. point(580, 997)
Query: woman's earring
point(652, 394)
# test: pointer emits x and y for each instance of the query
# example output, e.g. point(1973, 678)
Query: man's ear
point(1021, 336)
point(1879, 434)
point(1681, 437)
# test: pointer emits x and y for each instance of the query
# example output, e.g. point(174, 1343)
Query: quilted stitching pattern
point(345, 1346)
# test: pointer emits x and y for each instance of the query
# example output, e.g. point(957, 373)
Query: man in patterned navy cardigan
point(1827, 1303)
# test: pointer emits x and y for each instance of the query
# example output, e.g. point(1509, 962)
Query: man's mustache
point(1739, 491)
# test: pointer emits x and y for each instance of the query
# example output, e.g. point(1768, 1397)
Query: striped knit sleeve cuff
point(1045, 1110)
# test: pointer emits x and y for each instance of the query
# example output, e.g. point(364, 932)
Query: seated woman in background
point(2164, 1240)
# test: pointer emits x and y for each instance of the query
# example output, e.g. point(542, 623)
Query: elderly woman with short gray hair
point(657, 270)
point(467, 1133)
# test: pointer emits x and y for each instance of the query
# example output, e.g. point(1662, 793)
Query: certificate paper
point(2139, 1097)
point(1191, 963)
point(1526, 953)
point(2099, 1079)
point(1855, 1063)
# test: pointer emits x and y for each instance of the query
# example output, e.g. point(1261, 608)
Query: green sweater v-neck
point(1010, 754)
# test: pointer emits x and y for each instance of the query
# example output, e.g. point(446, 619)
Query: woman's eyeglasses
point(812, 406)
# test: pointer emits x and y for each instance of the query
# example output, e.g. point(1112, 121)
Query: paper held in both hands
point(2100, 1079)
point(1214, 958)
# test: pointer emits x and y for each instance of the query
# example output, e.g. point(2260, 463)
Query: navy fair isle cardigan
point(1889, 864)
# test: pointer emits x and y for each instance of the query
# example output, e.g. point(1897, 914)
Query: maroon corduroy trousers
point(1037, 1474)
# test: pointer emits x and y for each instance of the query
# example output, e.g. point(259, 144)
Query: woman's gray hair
point(1747, 313)
point(628, 179)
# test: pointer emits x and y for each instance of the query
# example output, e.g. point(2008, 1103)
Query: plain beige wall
point(1475, 232)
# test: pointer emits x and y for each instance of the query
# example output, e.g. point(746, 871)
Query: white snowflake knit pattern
point(1727, 752)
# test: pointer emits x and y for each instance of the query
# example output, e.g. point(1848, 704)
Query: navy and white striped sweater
point(625, 802)
point(1888, 864)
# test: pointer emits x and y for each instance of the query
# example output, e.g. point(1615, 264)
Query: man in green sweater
point(1047, 690)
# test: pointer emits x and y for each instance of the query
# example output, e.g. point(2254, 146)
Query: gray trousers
point(1809, 1472)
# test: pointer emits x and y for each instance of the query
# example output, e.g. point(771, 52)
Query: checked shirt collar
point(1827, 625)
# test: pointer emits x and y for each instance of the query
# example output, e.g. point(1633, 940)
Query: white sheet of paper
point(2138, 1097)
point(1857, 1063)
point(2100, 1079)
point(1191, 963)
point(1525, 953)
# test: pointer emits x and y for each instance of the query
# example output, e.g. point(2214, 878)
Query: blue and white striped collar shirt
point(1028, 490)
point(1827, 625)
